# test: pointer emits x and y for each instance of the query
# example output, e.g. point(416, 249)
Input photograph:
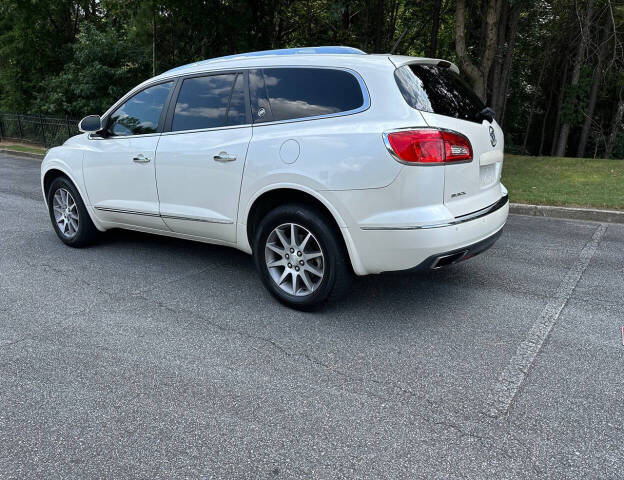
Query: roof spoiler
point(400, 60)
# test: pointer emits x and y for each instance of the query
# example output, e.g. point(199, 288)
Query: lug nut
point(287, 255)
point(292, 250)
point(301, 262)
point(290, 265)
point(299, 254)
point(297, 269)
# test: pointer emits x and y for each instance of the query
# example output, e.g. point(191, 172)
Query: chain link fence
point(37, 129)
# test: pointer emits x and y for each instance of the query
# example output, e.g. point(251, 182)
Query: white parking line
point(512, 377)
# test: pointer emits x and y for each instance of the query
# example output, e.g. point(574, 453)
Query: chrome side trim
point(172, 217)
point(195, 219)
point(199, 130)
point(129, 212)
point(461, 219)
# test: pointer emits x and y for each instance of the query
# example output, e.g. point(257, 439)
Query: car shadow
point(383, 295)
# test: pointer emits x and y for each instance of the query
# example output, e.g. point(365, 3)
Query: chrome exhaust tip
point(445, 260)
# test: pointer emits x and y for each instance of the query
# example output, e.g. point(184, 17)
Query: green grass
point(573, 182)
point(22, 148)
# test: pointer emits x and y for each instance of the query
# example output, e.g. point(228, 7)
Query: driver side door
point(119, 167)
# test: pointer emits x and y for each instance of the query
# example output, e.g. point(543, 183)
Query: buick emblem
point(492, 136)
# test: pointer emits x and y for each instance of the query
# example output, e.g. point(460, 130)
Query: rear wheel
point(300, 258)
point(69, 215)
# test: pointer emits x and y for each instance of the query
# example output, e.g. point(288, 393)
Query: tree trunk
point(553, 145)
point(391, 28)
point(478, 75)
point(544, 120)
point(495, 73)
point(491, 36)
point(576, 74)
point(432, 51)
point(512, 30)
point(615, 126)
point(532, 108)
point(593, 95)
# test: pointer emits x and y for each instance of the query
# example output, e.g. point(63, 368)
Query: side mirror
point(90, 124)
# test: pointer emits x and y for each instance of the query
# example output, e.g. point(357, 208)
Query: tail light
point(428, 146)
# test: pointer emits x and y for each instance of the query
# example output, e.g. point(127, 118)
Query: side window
point(260, 109)
point(141, 113)
point(303, 92)
point(209, 102)
point(237, 113)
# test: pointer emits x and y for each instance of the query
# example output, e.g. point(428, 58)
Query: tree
point(617, 128)
point(507, 31)
point(596, 80)
point(104, 65)
point(435, 28)
point(478, 74)
point(584, 25)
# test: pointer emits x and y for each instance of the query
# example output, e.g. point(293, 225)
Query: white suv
point(321, 162)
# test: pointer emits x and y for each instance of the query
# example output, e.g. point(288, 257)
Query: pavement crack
point(14, 342)
point(177, 278)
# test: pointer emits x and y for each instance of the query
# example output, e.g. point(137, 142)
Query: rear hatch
point(447, 102)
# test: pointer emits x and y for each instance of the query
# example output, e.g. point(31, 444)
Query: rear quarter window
point(292, 93)
point(430, 88)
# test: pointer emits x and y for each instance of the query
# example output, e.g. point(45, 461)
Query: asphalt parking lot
point(148, 357)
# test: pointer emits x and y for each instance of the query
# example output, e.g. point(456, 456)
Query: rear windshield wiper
point(487, 113)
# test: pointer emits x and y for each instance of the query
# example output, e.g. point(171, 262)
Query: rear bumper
point(429, 246)
point(438, 261)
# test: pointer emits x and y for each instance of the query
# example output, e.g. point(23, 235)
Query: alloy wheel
point(294, 259)
point(65, 213)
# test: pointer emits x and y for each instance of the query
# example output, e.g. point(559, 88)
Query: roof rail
point(337, 50)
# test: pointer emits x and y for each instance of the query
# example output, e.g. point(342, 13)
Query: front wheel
point(300, 258)
point(69, 215)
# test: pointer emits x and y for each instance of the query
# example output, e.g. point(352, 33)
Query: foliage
point(75, 57)
point(104, 66)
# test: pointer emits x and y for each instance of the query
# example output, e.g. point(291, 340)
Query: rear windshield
point(435, 89)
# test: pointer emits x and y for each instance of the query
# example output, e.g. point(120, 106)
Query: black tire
point(86, 233)
point(337, 275)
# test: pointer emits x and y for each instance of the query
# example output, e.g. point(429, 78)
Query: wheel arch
point(270, 198)
point(49, 176)
point(55, 171)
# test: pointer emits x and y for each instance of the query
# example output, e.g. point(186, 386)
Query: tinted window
point(237, 112)
point(303, 92)
point(209, 102)
point(439, 90)
point(261, 111)
point(141, 113)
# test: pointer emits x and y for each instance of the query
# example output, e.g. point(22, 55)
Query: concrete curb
point(572, 213)
point(17, 153)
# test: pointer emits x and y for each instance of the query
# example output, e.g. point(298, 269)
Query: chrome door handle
point(224, 157)
point(140, 158)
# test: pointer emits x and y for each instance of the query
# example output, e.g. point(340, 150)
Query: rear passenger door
point(201, 155)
